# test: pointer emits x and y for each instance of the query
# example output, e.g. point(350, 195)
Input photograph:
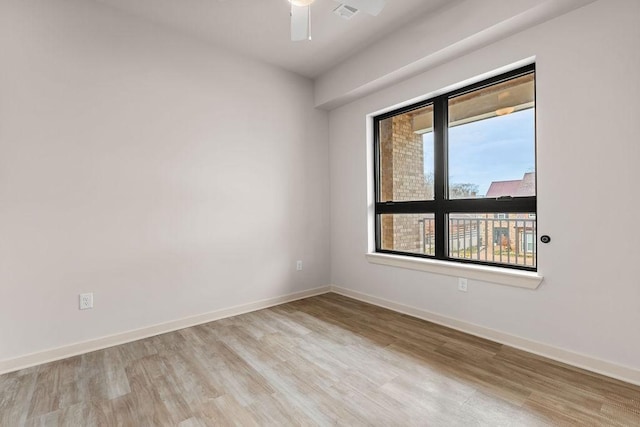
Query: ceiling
point(260, 28)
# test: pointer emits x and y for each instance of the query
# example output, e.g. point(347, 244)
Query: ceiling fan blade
point(372, 7)
point(300, 23)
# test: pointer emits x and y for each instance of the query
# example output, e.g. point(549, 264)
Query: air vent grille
point(345, 12)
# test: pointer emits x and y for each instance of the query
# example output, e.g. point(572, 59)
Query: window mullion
point(440, 126)
point(515, 205)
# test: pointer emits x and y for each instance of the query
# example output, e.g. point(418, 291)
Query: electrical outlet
point(298, 265)
point(86, 301)
point(462, 284)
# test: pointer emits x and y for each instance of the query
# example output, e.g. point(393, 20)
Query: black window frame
point(441, 206)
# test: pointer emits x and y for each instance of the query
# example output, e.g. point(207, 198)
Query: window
point(527, 242)
point(455, 175)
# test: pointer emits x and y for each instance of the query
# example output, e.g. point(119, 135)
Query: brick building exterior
point(402, 179)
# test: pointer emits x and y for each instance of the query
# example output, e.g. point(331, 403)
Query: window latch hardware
point(389, 203)
point(504, 199)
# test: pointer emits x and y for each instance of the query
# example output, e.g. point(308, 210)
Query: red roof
point(520, 187)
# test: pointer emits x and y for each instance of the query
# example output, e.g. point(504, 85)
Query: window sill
point(502, 276)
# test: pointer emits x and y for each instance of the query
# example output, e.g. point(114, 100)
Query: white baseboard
point(26, 361)
point(589, 363)
point(613, 370)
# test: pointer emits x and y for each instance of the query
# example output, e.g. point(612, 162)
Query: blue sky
point(497, 149)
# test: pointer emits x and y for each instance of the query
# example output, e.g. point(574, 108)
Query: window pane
point(413, 233)
point(492, 141)
point(494, 237)
point(406, 156)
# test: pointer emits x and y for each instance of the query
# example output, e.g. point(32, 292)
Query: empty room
point(319, 212)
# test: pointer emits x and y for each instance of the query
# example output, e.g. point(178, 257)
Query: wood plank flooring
point(326, 360)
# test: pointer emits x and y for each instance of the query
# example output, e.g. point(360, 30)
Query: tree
point(463, 191)
point(456, 191)
point(428, 185)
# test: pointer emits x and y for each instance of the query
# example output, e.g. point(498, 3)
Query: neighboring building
point(515, 188)
point(513, 235)
point(505, 238)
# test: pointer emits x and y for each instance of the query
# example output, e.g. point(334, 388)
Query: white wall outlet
point(86, 301)
point(298, 265)
point(462, 284)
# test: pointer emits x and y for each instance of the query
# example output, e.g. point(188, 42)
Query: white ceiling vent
point(344, 11)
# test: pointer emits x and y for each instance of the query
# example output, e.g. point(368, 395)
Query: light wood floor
point(321, 361)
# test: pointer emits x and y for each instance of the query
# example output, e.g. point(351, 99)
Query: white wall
point(167, 177)
point(588, 106)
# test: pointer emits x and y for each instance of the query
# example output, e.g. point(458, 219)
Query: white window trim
point(502, 276)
